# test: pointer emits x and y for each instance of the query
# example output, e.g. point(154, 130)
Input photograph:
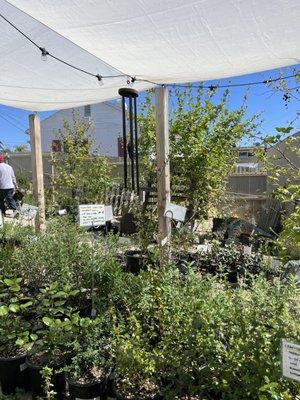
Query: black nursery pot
point(13, 374)
point(37, 381)
point(86, 309)
point(97, 390)
point(134, 261)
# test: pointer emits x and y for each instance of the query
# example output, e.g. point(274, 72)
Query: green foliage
point(23, 180)
point(20, 148)
point(47, 374)
point(64, 254)
point(232, 263)
point(20, 394)
point(89, 363)
point(12, 238)
point(201, 336)
point(80, 175)
point(145, 220)
point(15, 336)
point(203, 135)
point(57, 323)
point(289, 239)
point(281, 159)
point(189, 334)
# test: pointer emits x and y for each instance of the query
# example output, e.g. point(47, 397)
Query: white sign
point(62, 212)
point(1, 220)
point(28, 211)
point(175, 212)
point(94, 398)
point(247, 250)
point(91, 215)
point(108, 213)
point(290, 360)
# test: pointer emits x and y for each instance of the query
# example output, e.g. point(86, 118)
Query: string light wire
point(131, 79)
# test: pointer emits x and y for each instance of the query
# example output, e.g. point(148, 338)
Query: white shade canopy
point(163, 41)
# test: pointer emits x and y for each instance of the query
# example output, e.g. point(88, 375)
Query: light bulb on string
point(100, 79)
point(44, 53)
point(130, 81)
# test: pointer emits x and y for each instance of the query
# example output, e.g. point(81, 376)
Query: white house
point(106, 126)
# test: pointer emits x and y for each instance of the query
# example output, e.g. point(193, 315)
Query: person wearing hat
point(7, 184)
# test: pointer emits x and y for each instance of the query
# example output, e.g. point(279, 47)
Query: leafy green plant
point(81, 175)
point(57, 325)
point(20, 394)
point(89, 363)
point(15, 328)
point(23, 180)
point(63, 254)
point(47, 374)
point(280, 157)
point(203, 135)
point(201, 336)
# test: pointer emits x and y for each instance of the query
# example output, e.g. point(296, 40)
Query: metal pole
point(131, 142)
point(124, 142)
point(136, 148)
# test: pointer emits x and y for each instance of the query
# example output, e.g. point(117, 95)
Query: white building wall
point(106, 120)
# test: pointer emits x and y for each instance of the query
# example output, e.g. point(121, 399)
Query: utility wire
point(131, 79)
point(265, 82)
point(12, 123)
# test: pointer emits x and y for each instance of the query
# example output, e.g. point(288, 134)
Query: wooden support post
point(163, 165)
point(37, 169)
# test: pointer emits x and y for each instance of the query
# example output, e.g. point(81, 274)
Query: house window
point(56, 146)
point(87, 110)
point(246, 153)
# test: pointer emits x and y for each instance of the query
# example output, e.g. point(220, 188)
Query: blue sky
point(14, 122)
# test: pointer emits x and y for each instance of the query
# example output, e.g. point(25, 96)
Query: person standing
point(7, 184)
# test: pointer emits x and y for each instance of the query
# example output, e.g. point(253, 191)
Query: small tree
point(281, 157)
point(203, 135)
point(80, 176)
point(20, 148)
point(281, 160)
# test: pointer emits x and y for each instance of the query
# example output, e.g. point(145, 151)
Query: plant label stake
point(290, 360)
point(1, 220)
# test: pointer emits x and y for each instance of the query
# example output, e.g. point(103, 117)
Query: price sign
point(290, 360)
point(91, 215)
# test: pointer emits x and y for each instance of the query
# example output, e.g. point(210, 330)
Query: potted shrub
point(133, 362)
point(15, 335)
point(55, 331)
point(134, 261)
point(135, 388)
point(87, 372)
